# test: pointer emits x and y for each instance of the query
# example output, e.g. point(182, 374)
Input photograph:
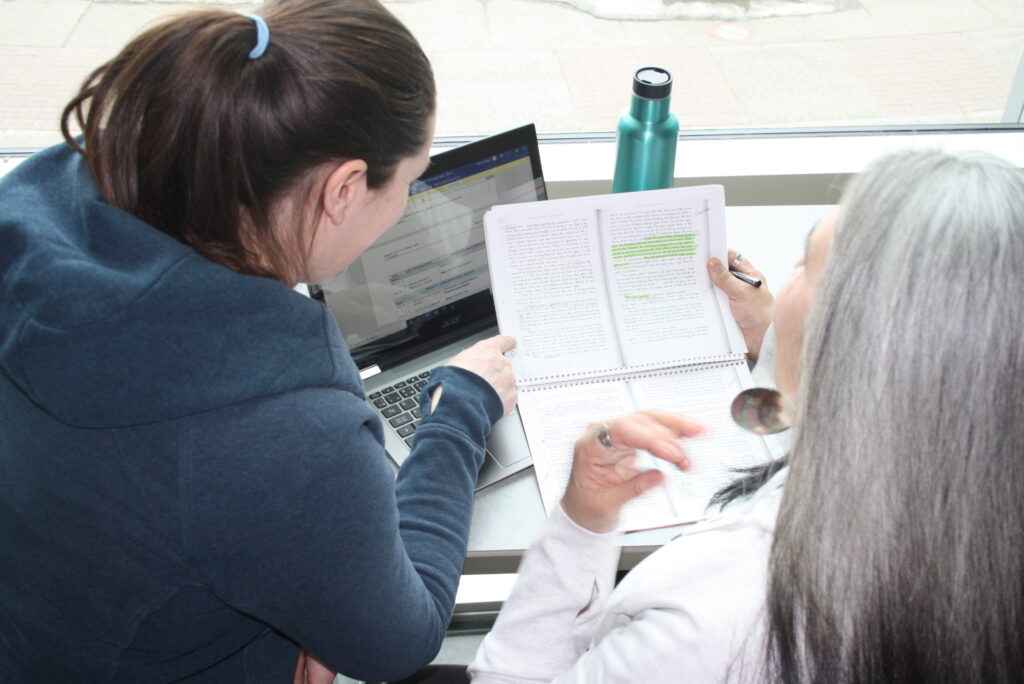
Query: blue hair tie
point(262, 37)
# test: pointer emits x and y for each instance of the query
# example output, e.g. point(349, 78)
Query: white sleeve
point(552, 613)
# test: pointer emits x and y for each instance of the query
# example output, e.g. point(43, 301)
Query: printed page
point(555, 417)
point(545, 264)
point(593, 285)
point(657, 245)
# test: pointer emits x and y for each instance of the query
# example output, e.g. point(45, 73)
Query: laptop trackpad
point(507, 443)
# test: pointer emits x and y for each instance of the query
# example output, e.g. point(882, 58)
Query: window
point(567, 65)
point(759, 64)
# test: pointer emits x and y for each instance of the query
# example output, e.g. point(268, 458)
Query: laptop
point(421, 293)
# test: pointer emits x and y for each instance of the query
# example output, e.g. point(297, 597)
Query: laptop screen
point(424, 282)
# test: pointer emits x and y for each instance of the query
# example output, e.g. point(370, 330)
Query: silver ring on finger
point(736, 261)
point(605, 438)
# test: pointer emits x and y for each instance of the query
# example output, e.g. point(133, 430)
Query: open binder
point(613, 309)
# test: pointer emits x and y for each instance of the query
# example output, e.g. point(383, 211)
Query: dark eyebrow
point(807, 238)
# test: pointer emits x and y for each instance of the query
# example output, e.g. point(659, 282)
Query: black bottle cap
point(652, 83)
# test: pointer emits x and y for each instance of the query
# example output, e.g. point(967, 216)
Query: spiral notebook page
point(553, 419)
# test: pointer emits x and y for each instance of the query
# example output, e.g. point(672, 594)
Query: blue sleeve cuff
point(468, 402)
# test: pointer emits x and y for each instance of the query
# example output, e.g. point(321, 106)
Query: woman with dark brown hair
point(194, 488)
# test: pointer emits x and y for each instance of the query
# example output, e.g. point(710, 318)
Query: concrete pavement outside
point(501, 63)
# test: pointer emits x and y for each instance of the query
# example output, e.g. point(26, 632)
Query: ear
point(344, 189)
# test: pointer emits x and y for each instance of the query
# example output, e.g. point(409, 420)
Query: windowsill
point(578, 164)
point(589, 158)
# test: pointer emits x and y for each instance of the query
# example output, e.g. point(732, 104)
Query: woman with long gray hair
point(897, 552)
point(887, 549)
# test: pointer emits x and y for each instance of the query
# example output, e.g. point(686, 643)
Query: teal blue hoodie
point(191, 483)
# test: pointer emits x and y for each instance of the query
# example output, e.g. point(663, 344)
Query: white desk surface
point(509, 515)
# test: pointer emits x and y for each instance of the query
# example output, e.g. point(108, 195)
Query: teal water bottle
point(646, 138)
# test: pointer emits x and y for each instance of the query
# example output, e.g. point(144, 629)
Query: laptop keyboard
point(399, 406)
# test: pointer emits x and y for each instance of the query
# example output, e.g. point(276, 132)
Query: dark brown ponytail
point(183, 130)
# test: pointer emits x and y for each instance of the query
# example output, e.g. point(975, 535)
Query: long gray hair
point(899, 551)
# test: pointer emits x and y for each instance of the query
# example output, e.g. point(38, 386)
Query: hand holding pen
point(734, 269)
point(750, 303)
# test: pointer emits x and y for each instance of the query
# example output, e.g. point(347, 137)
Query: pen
point(749, 280)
